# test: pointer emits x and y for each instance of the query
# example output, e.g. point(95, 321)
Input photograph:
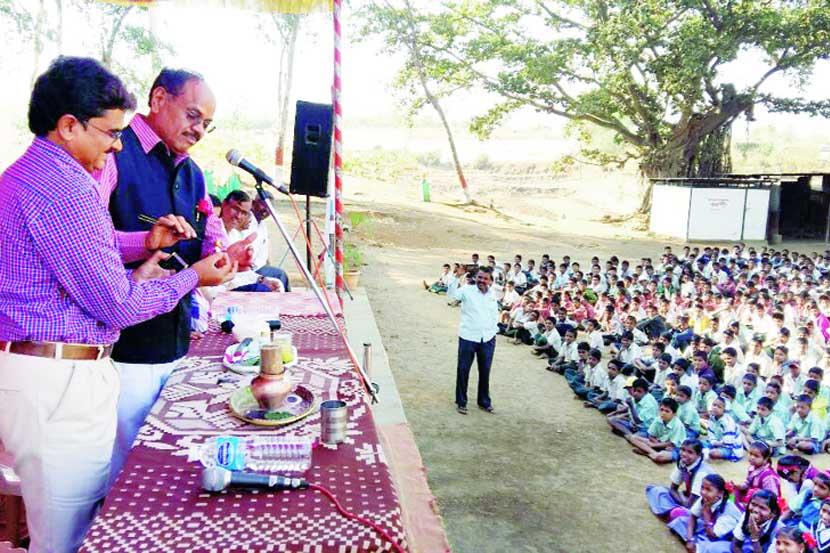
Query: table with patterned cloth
point(157, 503)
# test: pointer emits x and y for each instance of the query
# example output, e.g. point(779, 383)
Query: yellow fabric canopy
point(280, 6)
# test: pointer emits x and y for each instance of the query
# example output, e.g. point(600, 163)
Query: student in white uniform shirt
point(628, 350)
point(594, 334)
point(733, 372)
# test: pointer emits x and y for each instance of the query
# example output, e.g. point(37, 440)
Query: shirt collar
point(57, 153)
point(148, 138)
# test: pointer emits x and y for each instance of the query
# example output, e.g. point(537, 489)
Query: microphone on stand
point(236, 159)
point(216, 479)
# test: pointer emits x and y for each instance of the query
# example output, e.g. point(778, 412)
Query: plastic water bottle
point(255, 453)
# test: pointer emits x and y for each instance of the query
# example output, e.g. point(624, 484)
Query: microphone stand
point(370, 386)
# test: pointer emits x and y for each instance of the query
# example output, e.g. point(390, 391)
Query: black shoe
point(488, 409)
point(461, 409)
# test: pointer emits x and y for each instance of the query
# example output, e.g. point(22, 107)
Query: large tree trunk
point(458, 170)
point(433, 100)
point(699, 147)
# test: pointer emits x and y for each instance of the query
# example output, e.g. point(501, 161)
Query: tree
point(401, 29)
point(126, 37)
point(650, 71)
point(31, 23)
point(288, 29)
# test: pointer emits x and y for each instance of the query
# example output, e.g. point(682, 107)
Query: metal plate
point(300, 403)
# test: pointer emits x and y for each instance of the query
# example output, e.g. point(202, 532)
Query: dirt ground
point(544, 474)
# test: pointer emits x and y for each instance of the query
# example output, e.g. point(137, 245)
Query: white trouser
point(140, 388)
point(57, 419)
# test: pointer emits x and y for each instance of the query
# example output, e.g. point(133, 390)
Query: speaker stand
point(370, 387)
point(308, 253)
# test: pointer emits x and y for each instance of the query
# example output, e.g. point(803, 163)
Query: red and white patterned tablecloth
point(157, 504)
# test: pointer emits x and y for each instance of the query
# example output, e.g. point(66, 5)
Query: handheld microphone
point(217, 479)
point(236, 159)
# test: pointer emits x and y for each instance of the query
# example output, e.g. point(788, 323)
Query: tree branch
point(561, 19)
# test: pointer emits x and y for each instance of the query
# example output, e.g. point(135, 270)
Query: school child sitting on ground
point(760, 524)
point(568, 355)
point(684, 483)
point(549, 342)
point(614, 396)
point(819, 394)
point(687, 413)
point(627, 351)
point(596, 377)
point(748, 394)
point(576, 375)
point(669, 388)
point(723, 437)
point(780, 403)
point(510, 297)
point(646, 365)
point(766, 427)
point(732, 371)
point(440, 286)
point(662, 371)
point(809, 513)
point(760, 475)
point(704, 395)
point(793, 380)
point(821, 529)
point(796, 541)
point(594, 334)
point(710, 523)
point(665, 434)
point(637, 412)
point(797, 483)
point(805, 432)
point(701, 366)
point(526, 328)
point(680, 367)
point(734, 408)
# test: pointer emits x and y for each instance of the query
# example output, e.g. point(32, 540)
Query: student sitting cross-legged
point(665, 434)
point(596, 377)
point(724, 438)
point(805, 431)
point(766, 427)
point(685, 481)
point(637, 411)
point(614, 395)
point(686, 411)
point(709, 524)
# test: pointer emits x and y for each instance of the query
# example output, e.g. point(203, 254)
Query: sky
point(231, 48)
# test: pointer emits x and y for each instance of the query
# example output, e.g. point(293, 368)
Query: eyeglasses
point(115, 135)
point(196, 118)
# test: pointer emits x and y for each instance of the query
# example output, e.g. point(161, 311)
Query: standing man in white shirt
point(476, 335)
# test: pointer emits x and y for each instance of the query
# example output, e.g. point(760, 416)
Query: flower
point(809, 540)
point(204, 207)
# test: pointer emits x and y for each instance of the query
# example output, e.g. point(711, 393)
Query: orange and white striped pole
point(338, 154)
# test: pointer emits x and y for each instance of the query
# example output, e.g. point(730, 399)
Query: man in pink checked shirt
point(153, 175)
point(65, 295)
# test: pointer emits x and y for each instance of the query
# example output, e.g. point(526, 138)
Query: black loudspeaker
point(312, 149)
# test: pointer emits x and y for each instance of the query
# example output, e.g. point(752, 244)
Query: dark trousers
point(483, 353)
point(277, 273)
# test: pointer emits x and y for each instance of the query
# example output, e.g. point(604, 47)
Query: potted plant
point(352, 261)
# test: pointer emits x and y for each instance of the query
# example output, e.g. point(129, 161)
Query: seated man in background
point(262, 243)
point(237, 217)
